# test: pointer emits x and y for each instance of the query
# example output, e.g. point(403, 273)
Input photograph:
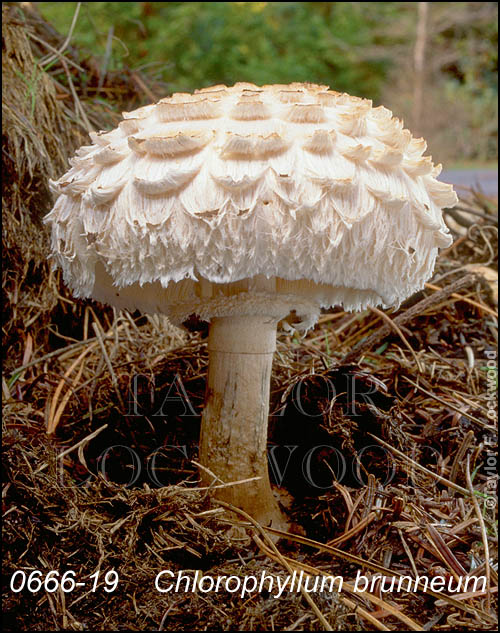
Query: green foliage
point(364, 48)
point(472, 77)
point(194, 44)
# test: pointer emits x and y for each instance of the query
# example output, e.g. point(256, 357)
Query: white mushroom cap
point(204, 202)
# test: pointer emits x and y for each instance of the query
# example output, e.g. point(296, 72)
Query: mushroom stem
point(233, 442)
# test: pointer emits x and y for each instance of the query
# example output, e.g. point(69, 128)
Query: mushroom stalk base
point(233, 443)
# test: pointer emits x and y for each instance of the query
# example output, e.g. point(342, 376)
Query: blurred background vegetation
point(433, 63)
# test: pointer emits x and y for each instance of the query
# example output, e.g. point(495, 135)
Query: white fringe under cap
point(207, 202)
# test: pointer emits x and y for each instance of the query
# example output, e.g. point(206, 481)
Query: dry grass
point(47, 111)
point(415, 436)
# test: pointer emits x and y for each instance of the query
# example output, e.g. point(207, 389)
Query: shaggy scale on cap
point(202, 202)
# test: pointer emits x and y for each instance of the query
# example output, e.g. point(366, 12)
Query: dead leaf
point(490, 275)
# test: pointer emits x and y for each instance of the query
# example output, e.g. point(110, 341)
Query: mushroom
point(241, 204)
